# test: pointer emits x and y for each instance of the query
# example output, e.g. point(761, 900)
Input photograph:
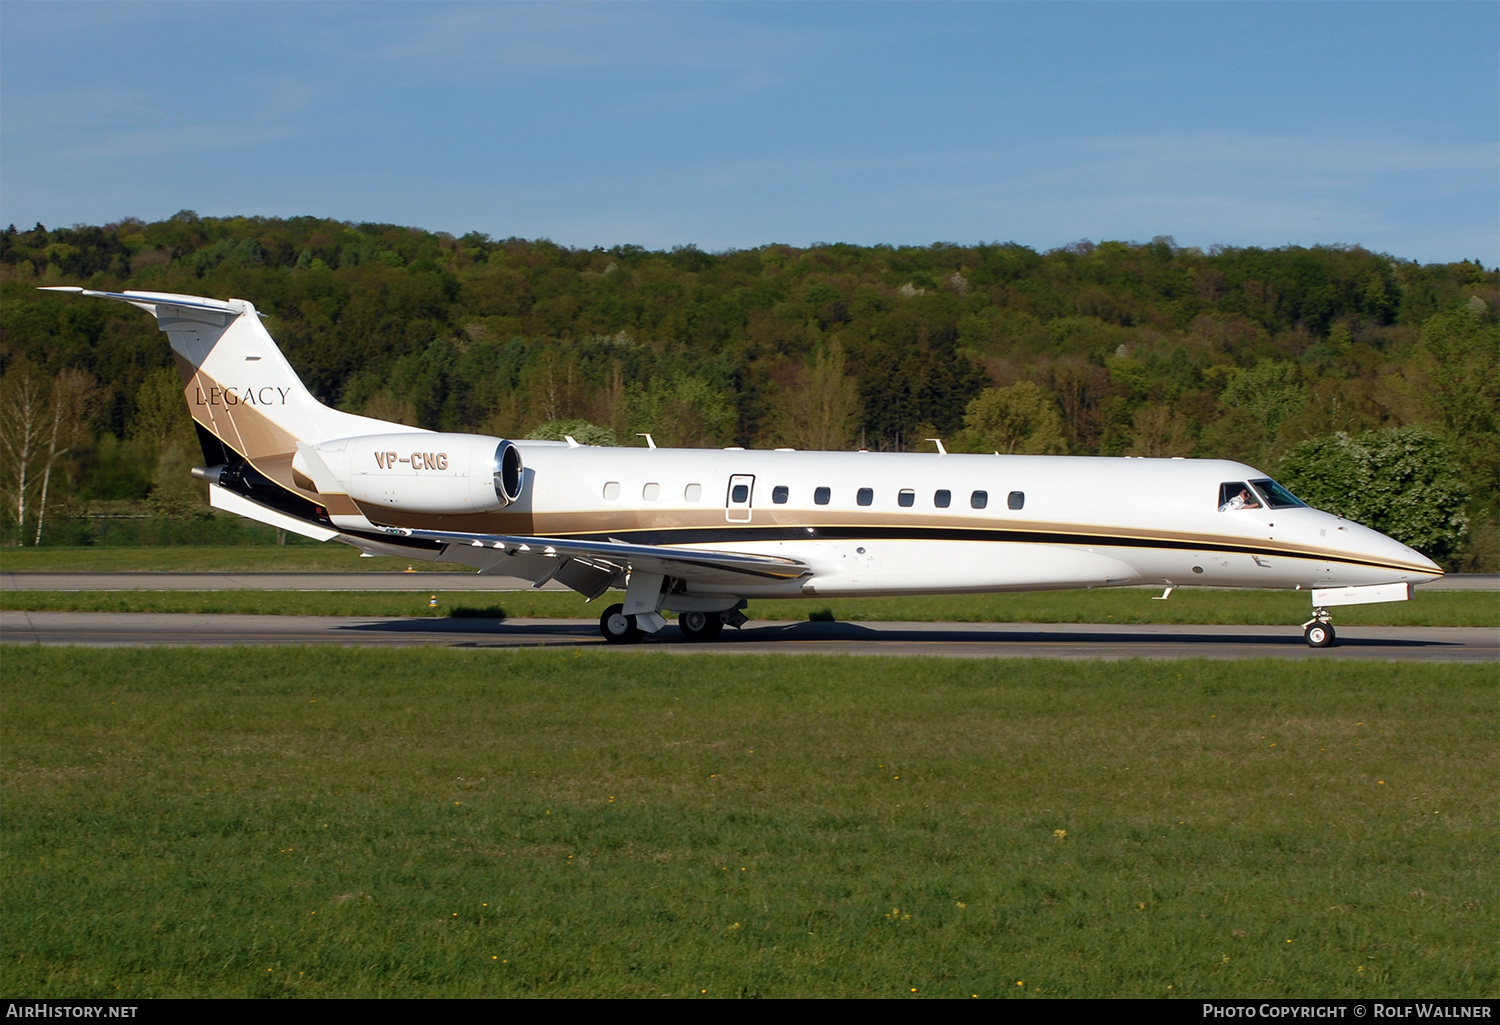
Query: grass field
point(1198, 605)
point(299, 557)
point(330, 822)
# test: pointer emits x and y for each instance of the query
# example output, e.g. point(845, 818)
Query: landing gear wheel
point(1319, 635)
point(619, 628)
point(700, 626)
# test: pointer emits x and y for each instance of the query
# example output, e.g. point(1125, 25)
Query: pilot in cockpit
point(1236, 496)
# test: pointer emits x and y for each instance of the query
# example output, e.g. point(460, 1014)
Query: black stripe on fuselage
point(781, 532)
point(247, 482)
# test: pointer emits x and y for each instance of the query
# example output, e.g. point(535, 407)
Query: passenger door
point(737, 499)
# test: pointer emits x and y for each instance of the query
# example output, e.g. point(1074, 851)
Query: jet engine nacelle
point(417, 471)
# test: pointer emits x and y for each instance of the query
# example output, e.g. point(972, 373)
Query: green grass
point(1436, 608)
point(330, 822)
point(294, 558)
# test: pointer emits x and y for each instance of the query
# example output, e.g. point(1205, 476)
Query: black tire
point(700, 626)
point(1319, 635)
point(619, 628)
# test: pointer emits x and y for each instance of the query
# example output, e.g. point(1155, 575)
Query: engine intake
point(508, 472)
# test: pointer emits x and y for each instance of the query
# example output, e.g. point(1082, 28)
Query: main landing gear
point(619, 628)
point(700, 626)
point(1319, 629)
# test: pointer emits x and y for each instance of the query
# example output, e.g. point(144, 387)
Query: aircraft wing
point(592, 567)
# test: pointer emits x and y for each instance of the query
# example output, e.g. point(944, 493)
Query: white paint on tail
point(225, 341)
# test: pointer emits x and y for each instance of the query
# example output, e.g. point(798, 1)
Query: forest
point(1368, 384)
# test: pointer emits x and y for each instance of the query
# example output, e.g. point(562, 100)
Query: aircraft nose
point(1419, 567)
point(1399, 560)
point(1431, 568)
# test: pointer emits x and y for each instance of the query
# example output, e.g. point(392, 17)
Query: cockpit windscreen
point(1276, 496)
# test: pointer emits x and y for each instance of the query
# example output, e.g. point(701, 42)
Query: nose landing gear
point(1319, 629)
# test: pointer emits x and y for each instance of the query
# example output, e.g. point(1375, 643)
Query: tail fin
point(238, 385)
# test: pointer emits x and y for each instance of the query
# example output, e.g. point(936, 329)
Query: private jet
point(701, 532)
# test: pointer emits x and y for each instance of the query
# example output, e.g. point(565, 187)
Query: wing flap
point(589, 567)
point(587, 579)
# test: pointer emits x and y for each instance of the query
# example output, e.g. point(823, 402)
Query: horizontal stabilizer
point(147, 300)
point(222, 498)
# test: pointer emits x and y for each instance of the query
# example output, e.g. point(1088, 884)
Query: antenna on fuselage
point(939, 443)
point(649, 442)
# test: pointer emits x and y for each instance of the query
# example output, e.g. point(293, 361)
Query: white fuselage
point(1076, 521)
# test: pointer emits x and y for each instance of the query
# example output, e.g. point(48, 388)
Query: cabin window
point(779, 494)
point(1276, 496)
point(979, 499)
point(942, 499)
point(612, 491)
point(864, 496)
point(739, 494)
point(692, 493)
point(821, 496)
point(1016, 499)
point(1236, 494)
point(651, 492)
point(906, 498)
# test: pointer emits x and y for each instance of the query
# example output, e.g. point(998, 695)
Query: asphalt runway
point(419, 581)
point(371, 581)
point(948, 640)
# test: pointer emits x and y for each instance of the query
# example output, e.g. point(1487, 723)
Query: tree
point(175, 494)
point(1158, 430)
point(1462, 367)
point(163, 431)
point(1254, 404)
point(917, 377)
point(23, 433)
point(681, 412)
point(72, 392)
point(580, 431)
point(820, 413)
point(1403, 482)
point(160, 411)
point(1019, 419)
point(1460, 361)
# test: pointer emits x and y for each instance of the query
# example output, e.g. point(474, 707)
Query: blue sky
point(734, 125)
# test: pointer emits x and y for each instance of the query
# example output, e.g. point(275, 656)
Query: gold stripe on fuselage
point(270, 449)
point(706, 526)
